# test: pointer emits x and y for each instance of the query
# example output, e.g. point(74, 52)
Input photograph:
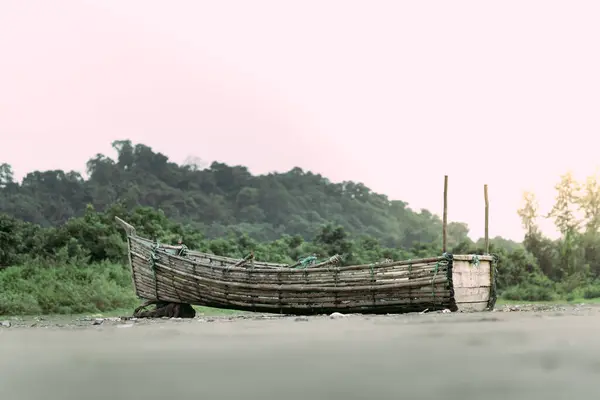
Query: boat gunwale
point(331, 269)
point(215, 257)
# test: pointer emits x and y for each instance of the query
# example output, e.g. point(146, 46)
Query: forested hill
point(218, 198)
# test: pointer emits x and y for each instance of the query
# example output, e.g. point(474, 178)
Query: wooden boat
point(175, 274)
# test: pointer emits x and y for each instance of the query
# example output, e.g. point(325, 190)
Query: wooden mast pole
point(445, 221)
point(487, 216)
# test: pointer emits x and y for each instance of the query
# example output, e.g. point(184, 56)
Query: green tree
point(563, 213)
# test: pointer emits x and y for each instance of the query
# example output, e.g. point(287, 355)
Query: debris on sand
point(98, 322)
point(337, 315)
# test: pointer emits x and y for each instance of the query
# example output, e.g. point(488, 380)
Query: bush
point(591, 292)
point(65, 289)
point(529, 292)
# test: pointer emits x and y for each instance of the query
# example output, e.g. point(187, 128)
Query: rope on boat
point(475, 260)
point(437, 265)
point(308, 261)
point(336, 259)
point(183, 250)
point(447, 259)
point(494, 280)
point(305, 262)
point(244, 261)
point(153, 259)
point(312, 260)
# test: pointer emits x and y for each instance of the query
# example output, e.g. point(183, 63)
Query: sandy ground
point(539, 354)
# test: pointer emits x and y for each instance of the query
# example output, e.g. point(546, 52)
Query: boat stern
point(473, 280)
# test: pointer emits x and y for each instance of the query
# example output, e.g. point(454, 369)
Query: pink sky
point(391, 93)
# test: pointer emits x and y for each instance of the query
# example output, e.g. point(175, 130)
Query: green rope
point(494, 279)
point(250, 258)
point(183, 250)
point(372, 272)
point(153, 259)
point(448, 262)
point(475, 260)
point(305, 262)
point(437, 266)
point(447, 259)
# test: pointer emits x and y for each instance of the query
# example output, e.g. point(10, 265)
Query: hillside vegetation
point(62, 252)
point(218, 199)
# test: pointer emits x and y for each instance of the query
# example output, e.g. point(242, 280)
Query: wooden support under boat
point(164, 309)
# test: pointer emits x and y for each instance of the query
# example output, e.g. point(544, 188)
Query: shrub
point(65, 289)
point(591, 292)
point(529, 292)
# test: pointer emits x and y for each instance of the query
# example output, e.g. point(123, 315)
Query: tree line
point(573, 260)
point(218, 199)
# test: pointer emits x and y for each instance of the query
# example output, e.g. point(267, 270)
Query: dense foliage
point(219, 198)
point(61, 250)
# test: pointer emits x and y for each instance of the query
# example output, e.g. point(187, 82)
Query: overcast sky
point(394, 94)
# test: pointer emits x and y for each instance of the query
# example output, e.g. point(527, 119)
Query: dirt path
point(540, 354)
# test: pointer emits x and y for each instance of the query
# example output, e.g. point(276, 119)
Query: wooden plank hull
point(165, 273)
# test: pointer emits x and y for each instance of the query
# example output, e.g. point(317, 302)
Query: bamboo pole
point(445, 221)
point(487, 215)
